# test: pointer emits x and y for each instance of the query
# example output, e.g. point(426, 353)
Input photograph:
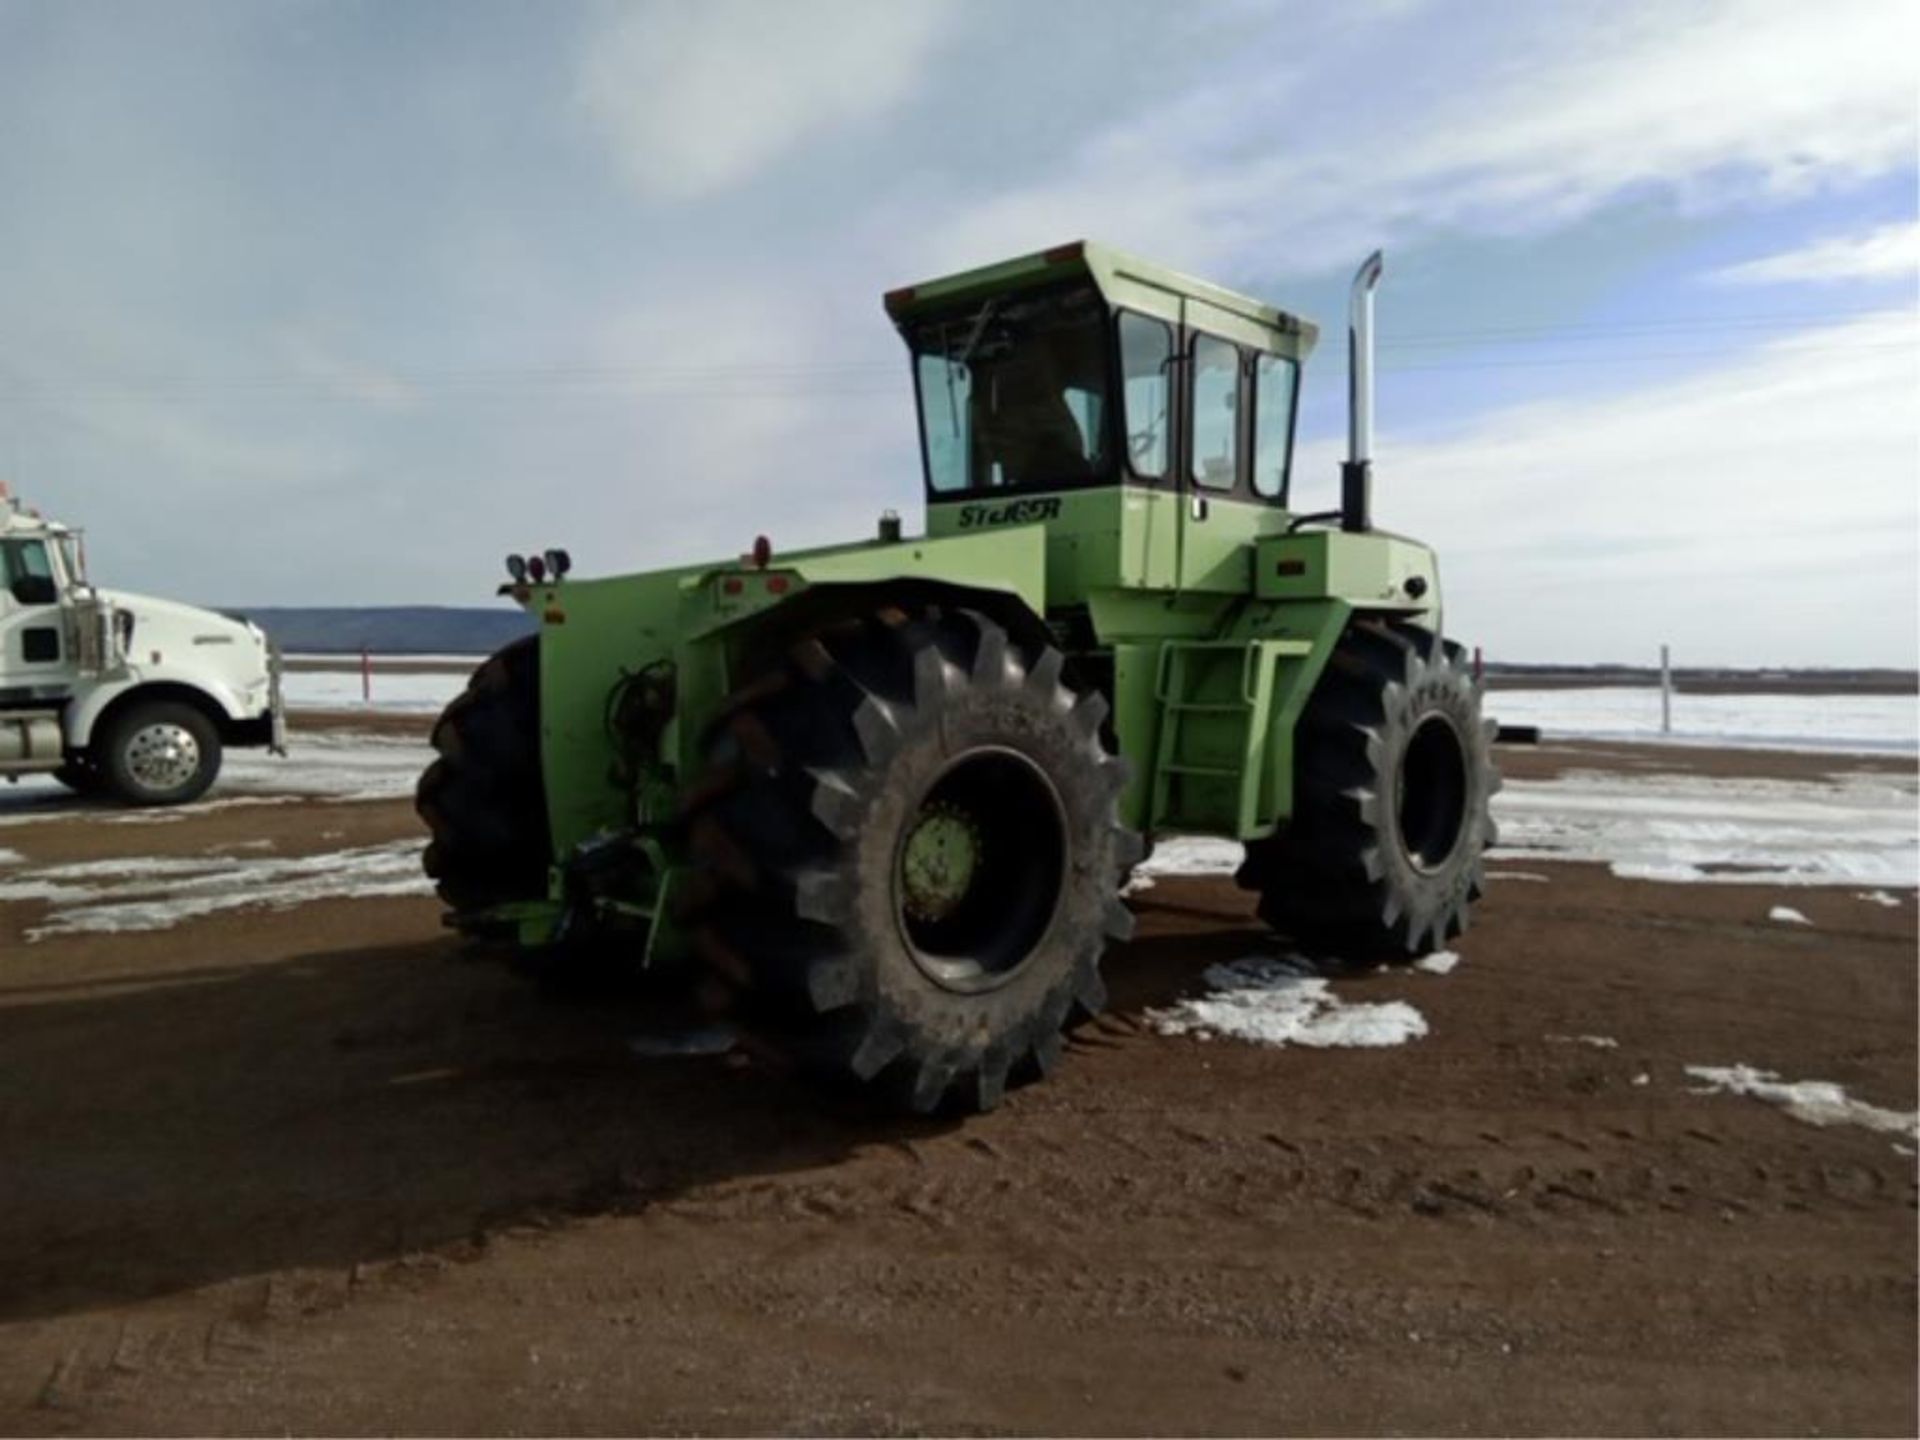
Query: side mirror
point(36, 590)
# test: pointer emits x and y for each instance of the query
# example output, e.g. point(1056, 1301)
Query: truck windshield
point(26, 572)
point(1014, 392)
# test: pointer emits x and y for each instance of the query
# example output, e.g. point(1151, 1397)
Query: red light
point(1060, 253)
point(762, 552)
point(536, 569)
point(896, 298)
point(776, 584)
point(732, 585)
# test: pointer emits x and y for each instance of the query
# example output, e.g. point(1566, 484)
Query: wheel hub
point(163, 757)
point(939, 861)
point(1430, 794)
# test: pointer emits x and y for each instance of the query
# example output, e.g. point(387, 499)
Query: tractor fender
point(770, 630)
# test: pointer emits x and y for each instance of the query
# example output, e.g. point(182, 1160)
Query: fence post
point(366, 676)
point(1666, 693)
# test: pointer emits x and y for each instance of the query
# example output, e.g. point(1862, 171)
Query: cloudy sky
point(308, 303)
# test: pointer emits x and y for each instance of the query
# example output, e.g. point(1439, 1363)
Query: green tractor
point(882, 798)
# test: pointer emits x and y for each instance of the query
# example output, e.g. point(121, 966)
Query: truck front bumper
point(276, 702)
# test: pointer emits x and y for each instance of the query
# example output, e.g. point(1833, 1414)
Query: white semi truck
point(117, 694)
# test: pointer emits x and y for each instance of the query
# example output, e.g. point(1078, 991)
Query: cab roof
point(1125, 282)
point(16, 518)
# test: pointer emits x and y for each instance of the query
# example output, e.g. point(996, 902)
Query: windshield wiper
point(979, 331)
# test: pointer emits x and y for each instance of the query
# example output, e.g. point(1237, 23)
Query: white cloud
point(733, 390)
point(1763, 512)
point(1888, 250)
point(1561, 113)
point(695, 97)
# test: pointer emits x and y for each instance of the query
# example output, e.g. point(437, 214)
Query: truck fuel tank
point(30, 740)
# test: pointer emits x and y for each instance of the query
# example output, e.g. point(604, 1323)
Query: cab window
point(1146, 348)
point(1013, 392)
point(27, 571)
point(1216, 412)
point(1276, 381)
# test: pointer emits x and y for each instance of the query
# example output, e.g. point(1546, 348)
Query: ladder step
point(1222, 707)
point(1225, 771)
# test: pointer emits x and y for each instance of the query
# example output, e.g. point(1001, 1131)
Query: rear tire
point(159, 752)
point(483, 799)
point(1393, 779)
point(906, 845)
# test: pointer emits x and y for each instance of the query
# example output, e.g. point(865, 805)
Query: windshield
point(1014, 392)
point(26, 572)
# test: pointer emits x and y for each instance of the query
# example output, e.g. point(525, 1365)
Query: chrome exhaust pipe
point(1356, 472)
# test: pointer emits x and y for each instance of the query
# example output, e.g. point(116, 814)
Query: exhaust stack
point(1356, 472)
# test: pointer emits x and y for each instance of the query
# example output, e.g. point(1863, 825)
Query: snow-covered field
point(1858, 828)
point(1848, 723)
point(1855, 829)
point(1858, 723)
point(421, 693)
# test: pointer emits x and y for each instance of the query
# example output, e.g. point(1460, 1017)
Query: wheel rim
point(1431, 793)
point(162, 756)
point(939, 862)
point(980, 870)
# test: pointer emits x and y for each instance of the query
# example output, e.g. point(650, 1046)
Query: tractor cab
point(1051, 385)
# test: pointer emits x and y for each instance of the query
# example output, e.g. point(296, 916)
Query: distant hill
point(390, 630)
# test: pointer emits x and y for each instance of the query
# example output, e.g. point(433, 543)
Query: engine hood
point(189, 621)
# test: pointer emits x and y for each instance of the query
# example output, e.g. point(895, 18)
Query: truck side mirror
point(35, 590)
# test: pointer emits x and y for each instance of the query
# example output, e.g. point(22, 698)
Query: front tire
point(1393, 783)
point(907, 840)
point(159, 752)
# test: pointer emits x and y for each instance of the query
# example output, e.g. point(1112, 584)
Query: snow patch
point(1851, 829)
point(11, 857)
point(1878, 897)
point(160, 892)
point(1817, 1102)
point(1282, 1001)
point(326, 765)
point(1440, 962)
point(1598, 1042)
point(1787, 915)
point(1193, 855)
point(1532, 875)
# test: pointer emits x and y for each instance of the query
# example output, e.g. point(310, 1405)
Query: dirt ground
point(312, 1171)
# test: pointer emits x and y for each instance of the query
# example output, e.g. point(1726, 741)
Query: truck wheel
point(483, 799)
point(1393, 775)
point(907, 841)
point(159, 752)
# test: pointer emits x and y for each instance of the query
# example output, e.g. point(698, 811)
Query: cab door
point(33, 643)
point(1212, 465)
